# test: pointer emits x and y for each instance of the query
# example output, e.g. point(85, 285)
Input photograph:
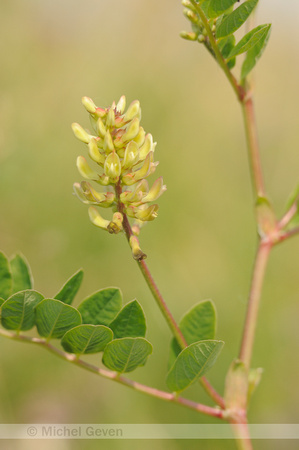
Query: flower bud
point(153, 167)
point(101, 112)
point(103, 199)
point(119, 122)
point(110, 120)
point(85, 170)
point(115, 226)
point(88, 195)
point(156, 191)
point(147, 147)
point(131, 155)
point(112, 167)
point(94, 152)
point(103, 180)
point(79, 193)
point(189, 5)
point(189, 36)
point(80, 133)
point(147, 214)
point(132, 130)
point(89, 105)
point(136, 250)
point(101, 127)
point(120, 107)
point(118, 139)
point(191, 15)
point(108, 142)
point(135, 196)
point(118, 219)
point(143, 172)
point(139, 139)
point(97, 219)
point(132, 111)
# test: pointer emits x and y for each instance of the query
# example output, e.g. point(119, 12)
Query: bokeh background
point(203, 243)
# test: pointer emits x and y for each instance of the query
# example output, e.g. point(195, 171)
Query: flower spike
point(124, 155)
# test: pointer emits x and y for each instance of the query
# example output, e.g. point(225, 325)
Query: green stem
point(242, 436)
point(175, 329)
point(259, 270)
point(149, 279)
point(253, 147)
point(148, 390)
point(287, 234)
point(162, 304)
point(239, 91)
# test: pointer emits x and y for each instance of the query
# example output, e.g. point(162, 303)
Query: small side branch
point(148, 390)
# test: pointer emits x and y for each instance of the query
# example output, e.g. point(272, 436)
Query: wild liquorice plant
point(124, 155)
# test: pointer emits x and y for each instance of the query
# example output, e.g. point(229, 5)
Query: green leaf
point(192, 363)
point(1, 301)
point(86, 339)
point(101, 307)
point(218, 7)
point(54, 318)
point(21, 274)
point(225, 46)
point(254, 54)
point(294, 198)
point(205, 4)
point(235, 20)
point(254, 378)
point(250, 40)
point(17, 312)
point(5, 277)
point(126, 354)
point(198, 324)
point(70, 288)
point(231, 63)
point(130, 322)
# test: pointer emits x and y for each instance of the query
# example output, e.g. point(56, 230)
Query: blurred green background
point(201, 246)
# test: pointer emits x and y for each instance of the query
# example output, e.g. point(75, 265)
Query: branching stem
point(175, 329)
point(148, 390)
